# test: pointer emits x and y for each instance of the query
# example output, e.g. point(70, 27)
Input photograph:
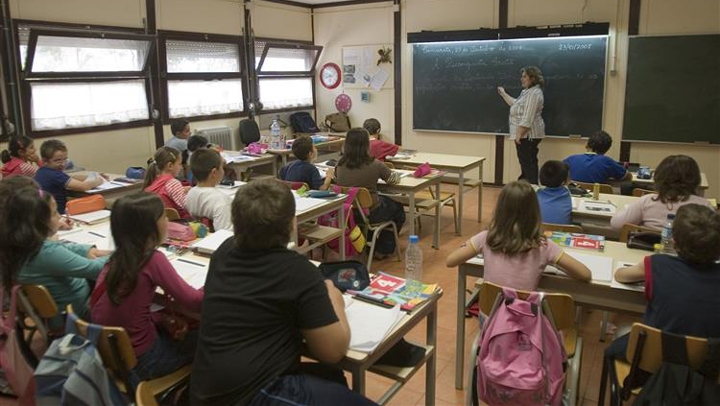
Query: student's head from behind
point(677, 177)
point(515, 227)
point(356, 150)
point(207, 164)
point(54, 154)
point(196, 142)
point(262, 214)
point(180, 128)
point(599, 143)
point(696, 231)
point(167, 160)
point(303, 148)
point(19, 146)
point(553, 174)
point(372, 125)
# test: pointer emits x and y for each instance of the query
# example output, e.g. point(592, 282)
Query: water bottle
point(276, 141)
point(413, 260)
point(666, 235)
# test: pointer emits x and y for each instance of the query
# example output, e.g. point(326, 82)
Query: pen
point(373, 300)
point(96, 234)
point(117, 183)
point(187, 261)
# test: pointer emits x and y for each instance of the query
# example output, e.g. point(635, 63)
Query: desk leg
point(460, 339)
point(284, 158)
point(342, 232)
point(413, 214)
point(480, 193)
point(436, 235)
point(275, 168)
point(461, 189)
point(431, 339)
point(358, 381)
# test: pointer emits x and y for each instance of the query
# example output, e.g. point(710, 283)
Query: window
point(204, 75)
point(285, 74)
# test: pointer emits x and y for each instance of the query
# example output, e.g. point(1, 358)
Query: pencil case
point(346, 275)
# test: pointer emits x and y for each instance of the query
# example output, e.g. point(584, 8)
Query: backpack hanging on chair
point(354, 238)
point(16, 375)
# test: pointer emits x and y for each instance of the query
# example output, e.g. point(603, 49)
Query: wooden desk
point(110, 195)
point(650, 183)
point(459, 164)
point(251, 161)
point(598, 222)
point(599, 295)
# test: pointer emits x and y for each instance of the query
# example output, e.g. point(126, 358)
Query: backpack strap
point(674, 349)
point(93, 333)
point(710, 368)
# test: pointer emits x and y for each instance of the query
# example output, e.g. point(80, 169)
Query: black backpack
point(303, 122)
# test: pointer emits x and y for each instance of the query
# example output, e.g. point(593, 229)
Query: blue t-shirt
point(594, 168)
point(55, 183)
point(302, 171)
point(555, 205)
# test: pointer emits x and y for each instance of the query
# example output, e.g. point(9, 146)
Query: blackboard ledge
point(687, 144)
point(562, 137)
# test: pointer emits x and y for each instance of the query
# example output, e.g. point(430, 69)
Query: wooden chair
point(564, 228)
point(604, 187)
point(645, 350)
point(118, 357)
point(560, 309)
point(629, 228)
point(36, 303)
point(294, 185)
point(638, 192)
point(172, 214)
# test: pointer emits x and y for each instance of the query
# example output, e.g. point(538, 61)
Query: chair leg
point(455, 216)
point(371, 252)
point(603, 327)
point(603, 382)
point(397, 242)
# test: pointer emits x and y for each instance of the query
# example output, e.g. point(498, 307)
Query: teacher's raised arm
point(527, 127)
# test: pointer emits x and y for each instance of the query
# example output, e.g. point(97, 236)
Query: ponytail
point(15, 144)
point(5, 156)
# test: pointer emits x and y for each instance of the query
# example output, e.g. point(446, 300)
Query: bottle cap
point(658, 247)
point(414, 239)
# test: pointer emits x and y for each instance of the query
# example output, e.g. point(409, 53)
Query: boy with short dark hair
point(205, 200)
point(303, 170)
point(52, 177)
point(263, 303)
point(180, 129)
point(554, 197)
point(593, 166)
point(379, 149)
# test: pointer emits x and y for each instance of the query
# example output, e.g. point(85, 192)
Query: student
point(303, 170)
point(205, 200)
point(593, 166)
point(19, 158)
point(379, 149)
point(264, 303)
point(181, 132)
point(162, 170)
point(127, 287)
point(357, 168)
point(514, 248)
point(555, 200)
point(681, 290)
point(194, 143)
point(677, 179)
point(54, 180)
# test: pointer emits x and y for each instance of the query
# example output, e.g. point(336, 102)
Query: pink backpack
point(354, 238)
point(522, 358)
point(16, 373)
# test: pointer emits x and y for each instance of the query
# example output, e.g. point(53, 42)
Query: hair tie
point(150, 161)
point(41, 193)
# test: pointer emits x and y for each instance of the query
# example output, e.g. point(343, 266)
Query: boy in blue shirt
point(593, 166)
point(554, 197)
point(303, 170)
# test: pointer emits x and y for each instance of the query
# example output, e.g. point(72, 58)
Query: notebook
point(92, 217)
point(212, 242)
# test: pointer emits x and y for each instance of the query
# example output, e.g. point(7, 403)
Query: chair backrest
point(565, 228)
point(363, 199)
point(294, 185)
point(638, 192)
point(249, 131)
point(629, 228)
point(144, 395)
point(389, 165)
point(40, 299)
point(604, 187)
point(172, 214)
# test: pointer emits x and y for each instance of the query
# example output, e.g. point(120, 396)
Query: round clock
point(330, 75)
point(343, 103)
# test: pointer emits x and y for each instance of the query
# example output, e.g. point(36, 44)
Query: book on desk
point(576, 240)
point(388, 291)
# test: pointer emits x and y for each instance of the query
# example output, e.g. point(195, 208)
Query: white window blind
point(190, 98)
point(78, 54)
point(191, 56)
point(283, 93)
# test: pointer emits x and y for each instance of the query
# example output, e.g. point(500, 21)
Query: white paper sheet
point(600, 266)
point(306, 203)
point(92, 217)
point(209, 244)
point(592, 206)
point(192, 272)
point(370, 324)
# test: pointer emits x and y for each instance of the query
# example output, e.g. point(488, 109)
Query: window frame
point(166, 77)
point(287, 45)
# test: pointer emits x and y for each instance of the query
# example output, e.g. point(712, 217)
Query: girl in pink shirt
point(160, 179)
point(20, 158)
point(126, 287)
point(514, 249)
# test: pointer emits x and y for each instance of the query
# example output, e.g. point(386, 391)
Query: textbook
point(388, 291)
point(577, 240)
point(92, 217)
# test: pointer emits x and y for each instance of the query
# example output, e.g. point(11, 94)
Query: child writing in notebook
point(160, 179)
point(303, 170)
point(127, 287)
point(514, 249)
point(20, 158)
point(205, 200)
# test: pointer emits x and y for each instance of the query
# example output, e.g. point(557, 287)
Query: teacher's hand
point(501, 90)
point(518, 139)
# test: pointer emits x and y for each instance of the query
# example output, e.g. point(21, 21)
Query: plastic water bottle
point(413, 260)
point(276, 141)
point(666, 235)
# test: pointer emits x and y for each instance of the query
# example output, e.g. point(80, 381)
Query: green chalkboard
point(673, 89)
point(455, 83)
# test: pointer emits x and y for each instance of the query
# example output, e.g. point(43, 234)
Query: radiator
point(222, 136)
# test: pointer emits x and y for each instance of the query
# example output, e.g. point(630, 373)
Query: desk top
point(619, 201)
point(442, 161)
point(116, 187)
point(409, 183)
point(703, 180)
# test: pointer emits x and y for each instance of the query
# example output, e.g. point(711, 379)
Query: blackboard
point(455, 83)
point(673, 89)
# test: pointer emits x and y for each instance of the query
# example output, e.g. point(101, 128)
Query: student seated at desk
point(261, 302)
point(194, 143)
point(52, 177)
point(162, 170)
point(677, 179)
point(515, 251)
point(593, 166)
point(356, 168)
point(303, 170)
point(682, 290)
point(205, 200)
point(554, 198)
point(379, 149)
point(127, 287)
point(20, 158)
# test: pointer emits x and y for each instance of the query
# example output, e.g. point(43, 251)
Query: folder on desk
point(212, 242)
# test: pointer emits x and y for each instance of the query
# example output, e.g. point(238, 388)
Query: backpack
point(16, 375)
point(354, 238)
point(522, 358)
point(338, 122)
point(302, 122)
point(72, 373)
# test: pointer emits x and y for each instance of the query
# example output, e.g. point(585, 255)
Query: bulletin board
point(362, 68)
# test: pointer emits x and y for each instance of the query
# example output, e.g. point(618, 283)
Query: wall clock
point(330, 75)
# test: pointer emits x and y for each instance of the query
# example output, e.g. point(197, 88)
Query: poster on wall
point(367, 66)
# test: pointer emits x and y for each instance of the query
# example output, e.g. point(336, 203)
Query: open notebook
point(370, 323)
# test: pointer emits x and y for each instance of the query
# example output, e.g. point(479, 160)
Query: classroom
point(373, 48)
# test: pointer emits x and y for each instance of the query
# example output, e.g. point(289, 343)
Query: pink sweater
point(648, 212)
point(133, 314)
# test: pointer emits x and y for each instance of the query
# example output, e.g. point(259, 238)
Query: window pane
point(73, 105)
point(288, 60)
point(189, 98)
point(23, 39)
point(189, 56)
point(286, 93)
point(76, 54)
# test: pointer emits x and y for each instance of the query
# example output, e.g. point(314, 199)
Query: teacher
point(527, 127)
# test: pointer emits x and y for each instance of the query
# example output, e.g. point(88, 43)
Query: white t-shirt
point(211, 203)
